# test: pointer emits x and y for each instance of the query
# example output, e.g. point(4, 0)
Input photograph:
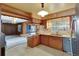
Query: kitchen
point(56, 30)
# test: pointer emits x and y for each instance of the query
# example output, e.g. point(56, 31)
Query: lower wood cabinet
point(44, 40)
point(52, 41)
point(56, 42)
point(33, 41)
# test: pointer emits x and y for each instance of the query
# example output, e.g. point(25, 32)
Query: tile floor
point(41, 50)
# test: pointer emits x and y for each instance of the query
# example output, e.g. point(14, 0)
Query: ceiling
point(36, 7)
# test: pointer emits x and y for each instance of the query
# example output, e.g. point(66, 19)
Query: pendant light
point(42, 13)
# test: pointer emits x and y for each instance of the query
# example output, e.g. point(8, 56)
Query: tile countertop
point(51, 34)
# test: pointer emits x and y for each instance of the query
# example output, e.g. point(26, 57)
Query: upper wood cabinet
point(9, 29)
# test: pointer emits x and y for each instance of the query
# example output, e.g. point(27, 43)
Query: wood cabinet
point(33, 41)
point(52, 41)
point(44, 39)
point(43, 22)
point(56, 42)
point(9, 29)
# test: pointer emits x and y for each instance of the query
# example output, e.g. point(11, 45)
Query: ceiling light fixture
point(42, 13)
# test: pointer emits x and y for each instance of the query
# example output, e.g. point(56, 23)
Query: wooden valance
point(64, 13)
point(11, 11)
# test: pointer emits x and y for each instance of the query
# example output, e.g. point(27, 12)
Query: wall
point(0, 30)
point(0, 20)
point(23, 28)
point(35, 20)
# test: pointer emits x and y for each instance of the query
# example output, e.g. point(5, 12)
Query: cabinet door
point(33, 41)
point(30, 41)
point(55, 42)
point(44, 40)
point(36, 41)
point(51, 42)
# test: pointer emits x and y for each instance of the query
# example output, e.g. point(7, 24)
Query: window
point(59, 25)
point(19, 28)
point(28, 28)
point(31, 29)
point(13, 20)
